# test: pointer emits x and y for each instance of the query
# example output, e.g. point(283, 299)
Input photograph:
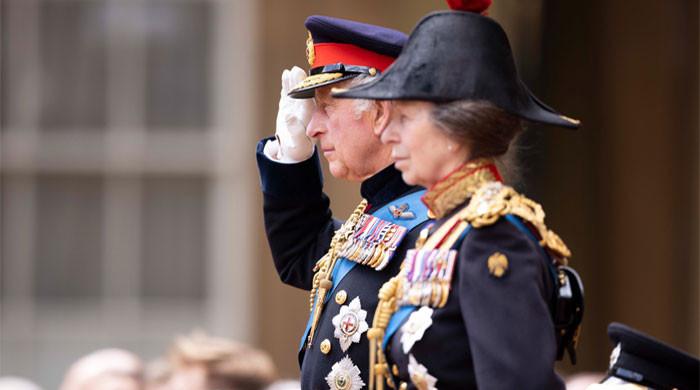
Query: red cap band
point(333, 53)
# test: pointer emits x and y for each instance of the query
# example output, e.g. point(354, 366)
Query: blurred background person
point(17, 383)
point(106, 369)
point(285, 385)
point(202, 362)
point(157, 374)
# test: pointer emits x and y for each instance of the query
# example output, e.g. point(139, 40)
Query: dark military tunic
point(299, 228)
point(494, 332)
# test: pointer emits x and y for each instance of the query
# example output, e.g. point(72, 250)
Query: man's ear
point(382, 116)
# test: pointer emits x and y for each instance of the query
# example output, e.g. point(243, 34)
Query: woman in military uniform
point(479, 302)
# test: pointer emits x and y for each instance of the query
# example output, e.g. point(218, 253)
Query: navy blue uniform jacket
point(299, 227)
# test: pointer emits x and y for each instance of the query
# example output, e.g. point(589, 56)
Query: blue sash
point(343, 266)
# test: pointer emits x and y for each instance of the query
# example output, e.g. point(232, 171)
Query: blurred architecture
point(127, 177)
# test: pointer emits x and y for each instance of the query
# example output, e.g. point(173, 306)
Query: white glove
point(291, 144)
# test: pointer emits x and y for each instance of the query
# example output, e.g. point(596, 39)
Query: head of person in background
point(340, 53)
point(452, 96)
point(157, 374)
point(641, 362)
point(202, 362)
point(17, 383)
point(105, 369)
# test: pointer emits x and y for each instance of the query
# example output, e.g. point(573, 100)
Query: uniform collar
point(384, 186)
point(454, 189)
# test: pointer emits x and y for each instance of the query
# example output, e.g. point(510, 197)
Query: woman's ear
point(382, 116)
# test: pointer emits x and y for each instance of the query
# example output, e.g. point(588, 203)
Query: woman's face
point(421, 150)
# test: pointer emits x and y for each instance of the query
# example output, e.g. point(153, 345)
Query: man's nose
point(316, 126)
point(388, 136)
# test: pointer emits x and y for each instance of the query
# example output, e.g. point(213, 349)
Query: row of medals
point(373, 243)
point(427, 274)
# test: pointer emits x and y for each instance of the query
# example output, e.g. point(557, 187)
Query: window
point(118, 138)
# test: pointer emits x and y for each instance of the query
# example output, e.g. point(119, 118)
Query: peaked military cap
point(339, 49)
point(641, 359)
point(456, 55)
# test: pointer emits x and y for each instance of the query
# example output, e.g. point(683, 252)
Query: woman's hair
point(488, 131)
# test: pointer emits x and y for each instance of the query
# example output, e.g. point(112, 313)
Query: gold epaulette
point(494, 200)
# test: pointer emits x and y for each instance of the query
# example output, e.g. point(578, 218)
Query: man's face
point(345, 136)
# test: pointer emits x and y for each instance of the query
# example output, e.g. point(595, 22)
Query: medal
point(344, 375)
point(350, 323)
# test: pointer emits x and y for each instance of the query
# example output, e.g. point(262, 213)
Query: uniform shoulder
point(494, 200)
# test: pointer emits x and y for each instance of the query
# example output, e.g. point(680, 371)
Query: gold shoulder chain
point(322, 282)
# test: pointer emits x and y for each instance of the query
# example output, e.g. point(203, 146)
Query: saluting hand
point(291, 143)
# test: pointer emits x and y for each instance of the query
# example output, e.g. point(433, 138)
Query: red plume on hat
point(476, 6)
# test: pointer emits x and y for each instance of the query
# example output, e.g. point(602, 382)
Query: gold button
point(325, 346)
point(341, 297)
point(372, 72)
point(403, 386)
point(395, 370)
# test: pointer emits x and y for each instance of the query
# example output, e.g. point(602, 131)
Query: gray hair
point(361, 105)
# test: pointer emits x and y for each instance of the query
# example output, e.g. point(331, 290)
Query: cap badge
point(419, 375)
point(414, 328)
point(401, 212)
point(310, 52)
point(350, 323)
point(615, 355)
point(498, 264)
point(345, 375)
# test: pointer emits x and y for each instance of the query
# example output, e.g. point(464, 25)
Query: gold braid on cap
point(310, 51)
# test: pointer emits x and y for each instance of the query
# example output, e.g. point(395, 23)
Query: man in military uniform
point(343, 264)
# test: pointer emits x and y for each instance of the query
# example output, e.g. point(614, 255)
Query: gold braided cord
point(385, 309)
point(322, 282)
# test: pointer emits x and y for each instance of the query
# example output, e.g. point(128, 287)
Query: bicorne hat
point(456, 55)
